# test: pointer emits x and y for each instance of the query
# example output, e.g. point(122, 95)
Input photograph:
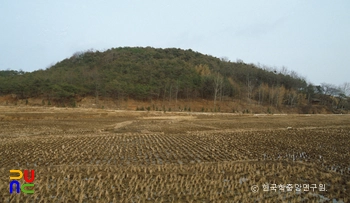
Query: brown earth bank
point(107, 155)
point(231, 106)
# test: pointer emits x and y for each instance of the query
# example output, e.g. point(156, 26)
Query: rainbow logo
point(26, 179)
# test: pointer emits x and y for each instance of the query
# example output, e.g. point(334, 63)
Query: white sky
point(310, 37)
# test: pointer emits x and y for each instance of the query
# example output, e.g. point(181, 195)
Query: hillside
point(151, 75)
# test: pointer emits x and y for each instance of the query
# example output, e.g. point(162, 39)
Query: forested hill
point(165, 74)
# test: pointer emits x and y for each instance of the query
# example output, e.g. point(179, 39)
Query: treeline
point(165, 74)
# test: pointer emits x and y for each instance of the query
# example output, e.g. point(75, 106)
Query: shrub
point(73, 103)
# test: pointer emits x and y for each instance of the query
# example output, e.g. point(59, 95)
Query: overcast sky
point(309, 37)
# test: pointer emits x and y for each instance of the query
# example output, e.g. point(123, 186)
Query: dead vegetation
point(89, 155)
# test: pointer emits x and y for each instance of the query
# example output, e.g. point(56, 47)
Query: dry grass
point(89, 155)
point(182, 105)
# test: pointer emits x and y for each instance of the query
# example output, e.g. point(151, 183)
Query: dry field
point(94, 155)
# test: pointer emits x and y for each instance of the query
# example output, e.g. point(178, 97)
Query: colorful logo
point(26, 179)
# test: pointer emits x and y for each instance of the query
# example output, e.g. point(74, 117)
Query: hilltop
point(162, 79)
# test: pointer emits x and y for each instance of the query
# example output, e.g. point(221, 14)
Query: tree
point(280, 91)
point(291, 97)
point(218, 81)
point(262, 93)
point(345, 88)
point(250, 87)
point(330, 89)
point(176, 89)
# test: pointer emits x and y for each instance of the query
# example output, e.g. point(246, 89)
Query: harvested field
point(94, 155)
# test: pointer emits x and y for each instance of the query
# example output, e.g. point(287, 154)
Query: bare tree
point(218, 81)
point(225, 59)
point(330, 89)
point(294, 74)
point(250, 87)
point(284, 70)
point(177, 90)
point(291, 97)
point(345, 88)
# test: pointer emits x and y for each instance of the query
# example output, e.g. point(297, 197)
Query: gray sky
point(309, 37)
